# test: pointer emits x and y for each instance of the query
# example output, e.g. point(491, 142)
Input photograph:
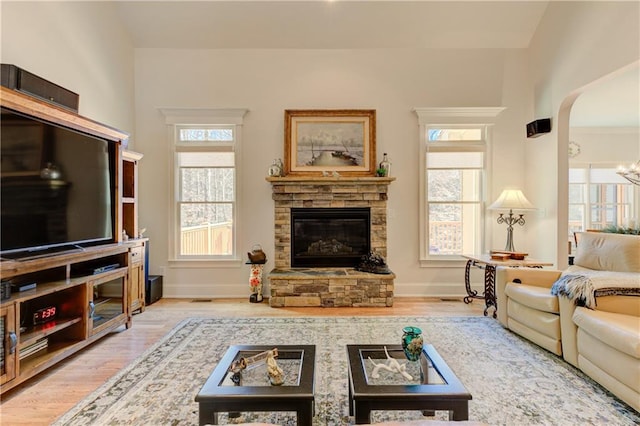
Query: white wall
point(269, 81)
point(606, 145)
point(80, 46)
point(576, 44)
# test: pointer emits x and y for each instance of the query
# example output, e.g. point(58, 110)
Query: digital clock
point(44, 315)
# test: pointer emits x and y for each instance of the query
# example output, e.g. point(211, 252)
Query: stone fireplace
point(316, 268)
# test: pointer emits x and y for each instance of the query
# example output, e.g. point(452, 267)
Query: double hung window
point(204, 214)
point(205, 190)
point(455, 143)
point(455, 164)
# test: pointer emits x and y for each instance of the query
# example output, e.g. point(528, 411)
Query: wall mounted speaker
point(537, 127)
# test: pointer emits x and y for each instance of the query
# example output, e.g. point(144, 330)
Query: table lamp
point(511, 199)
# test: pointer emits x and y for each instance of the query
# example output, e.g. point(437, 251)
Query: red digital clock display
point(43, 315)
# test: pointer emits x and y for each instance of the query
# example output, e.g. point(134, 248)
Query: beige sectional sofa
point(588, 314)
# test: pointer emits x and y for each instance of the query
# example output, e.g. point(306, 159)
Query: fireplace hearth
point(329, 237)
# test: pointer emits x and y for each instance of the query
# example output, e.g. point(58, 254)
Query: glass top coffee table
point(432, 386)
point(254, 392)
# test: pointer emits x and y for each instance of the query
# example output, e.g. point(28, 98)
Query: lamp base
point(510, 221)
point(509, 246)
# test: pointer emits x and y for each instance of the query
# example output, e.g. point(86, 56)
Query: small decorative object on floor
point(255, 282)
point(276, 375)
point(412, 343)
point(373, 263)
point(392, 365)
point(257, 259)
point(385, 165)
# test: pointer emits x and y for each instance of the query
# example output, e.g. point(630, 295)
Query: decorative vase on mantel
point(385, 165)
point(412, 342)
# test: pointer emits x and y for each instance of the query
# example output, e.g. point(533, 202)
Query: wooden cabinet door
point(9, 343)
point(108, 301)
point(135, 277)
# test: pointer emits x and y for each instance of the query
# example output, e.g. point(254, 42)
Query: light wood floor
point(46, 397)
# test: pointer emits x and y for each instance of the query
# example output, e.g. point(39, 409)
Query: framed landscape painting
point(327, 141)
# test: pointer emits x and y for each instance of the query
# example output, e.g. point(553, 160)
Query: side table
point(489, 265)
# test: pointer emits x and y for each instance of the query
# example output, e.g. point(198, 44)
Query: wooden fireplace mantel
point(330, 180)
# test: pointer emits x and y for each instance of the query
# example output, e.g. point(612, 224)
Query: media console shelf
point(70, 307)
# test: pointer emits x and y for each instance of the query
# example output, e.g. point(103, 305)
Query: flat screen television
point(57, 187)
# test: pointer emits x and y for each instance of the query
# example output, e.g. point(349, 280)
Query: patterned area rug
point(513, 382)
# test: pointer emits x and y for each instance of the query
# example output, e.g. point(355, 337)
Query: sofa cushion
point(538, 298)
point(543, 322)
point(608, 252)
point(619, 331)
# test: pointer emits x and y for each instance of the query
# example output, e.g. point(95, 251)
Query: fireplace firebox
point(329, 237)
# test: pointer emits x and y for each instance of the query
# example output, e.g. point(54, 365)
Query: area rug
point(512, 381)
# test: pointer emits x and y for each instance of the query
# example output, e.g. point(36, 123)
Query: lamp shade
point(511, 199)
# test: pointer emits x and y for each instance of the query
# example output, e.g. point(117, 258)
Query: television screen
point(57, 186)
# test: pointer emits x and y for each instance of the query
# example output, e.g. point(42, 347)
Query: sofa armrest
point(530, 276)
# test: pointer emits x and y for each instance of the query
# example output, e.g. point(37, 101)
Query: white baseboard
point(437, 290)
point(226, 291)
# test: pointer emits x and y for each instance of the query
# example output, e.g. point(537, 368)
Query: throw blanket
point(583, 285)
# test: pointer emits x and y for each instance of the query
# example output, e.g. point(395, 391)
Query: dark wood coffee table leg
point(304, 416)
point(460, 411)
point(206, 415)
point(362, 413)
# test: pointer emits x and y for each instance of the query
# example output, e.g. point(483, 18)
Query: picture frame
point(339, 142)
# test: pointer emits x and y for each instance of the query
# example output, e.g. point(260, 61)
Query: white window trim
point(454, 116)
point(175, 117)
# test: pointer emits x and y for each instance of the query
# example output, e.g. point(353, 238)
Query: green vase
point(412, 343)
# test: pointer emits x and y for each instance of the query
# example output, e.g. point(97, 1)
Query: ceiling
point(362, 24)
point(324, 24)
